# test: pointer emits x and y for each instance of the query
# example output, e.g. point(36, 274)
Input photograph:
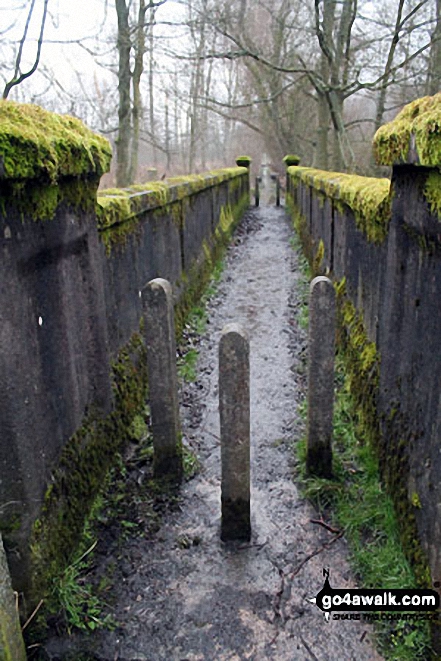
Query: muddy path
point(182, 594)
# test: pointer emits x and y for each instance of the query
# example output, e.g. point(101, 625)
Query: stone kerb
point(322, 316)
point(234, 409)
point(162, 377)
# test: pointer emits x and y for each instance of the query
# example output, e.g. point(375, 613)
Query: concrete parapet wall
point(381, 243)
point(72, 356)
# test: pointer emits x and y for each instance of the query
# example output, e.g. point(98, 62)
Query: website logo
point(378, 599)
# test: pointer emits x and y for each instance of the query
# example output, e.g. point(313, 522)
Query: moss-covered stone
point(39, 202)
point(368, 197)
point(85, 459)
point(244, 161)
point(291, 159)
point(37, 144)
point(414, 136)
point(117, 205)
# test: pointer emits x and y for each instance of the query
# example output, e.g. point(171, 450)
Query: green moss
point(119, 211)
point(362, 366)
point(118, 205)
point(388, 436)
point(39, 202)
point(85, 459)
point(113, 209)
point(432, 192)
point(291, 159)
point(415, 500)
point(419, 121)
point(37, 144)
point(318, 258)
point(368, 197)
point(244, 161)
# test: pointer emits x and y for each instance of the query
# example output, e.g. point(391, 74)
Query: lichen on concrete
point(414, 136)
point(38, 144)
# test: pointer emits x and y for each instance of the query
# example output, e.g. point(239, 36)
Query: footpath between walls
point(174, 590)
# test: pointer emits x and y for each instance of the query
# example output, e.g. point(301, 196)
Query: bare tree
point(131, 41)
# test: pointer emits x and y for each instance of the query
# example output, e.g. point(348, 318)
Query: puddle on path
point(186, 596)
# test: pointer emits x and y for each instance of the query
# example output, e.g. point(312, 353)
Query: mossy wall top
point(414, 136)
point(37, 144)
point(115, 205)
point(368, 197)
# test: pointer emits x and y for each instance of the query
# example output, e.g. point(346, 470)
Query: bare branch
point(18, 76)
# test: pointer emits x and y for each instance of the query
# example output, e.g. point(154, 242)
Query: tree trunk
point(124, 78)
point(136, 83)
point(151, 86)
point(434, 82)
point(322, 151)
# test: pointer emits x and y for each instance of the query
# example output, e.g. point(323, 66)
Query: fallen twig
point(314, 553)
point(313, 656)
point(325, 525)
point(34, 613)
point(243, 547)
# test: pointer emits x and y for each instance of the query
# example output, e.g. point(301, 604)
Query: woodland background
point(187, 86)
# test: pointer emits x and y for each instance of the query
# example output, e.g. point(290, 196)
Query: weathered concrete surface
point(11, 642)
point(234, 410)
point(320, 376)
point(184, 594)
point(159, 332)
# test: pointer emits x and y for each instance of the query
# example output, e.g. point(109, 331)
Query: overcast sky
point(68, 21)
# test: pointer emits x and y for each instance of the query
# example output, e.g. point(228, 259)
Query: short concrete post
point(162, 378)
point(234, 408)
point(320, 377)
point(257, 192)
point(11, 641)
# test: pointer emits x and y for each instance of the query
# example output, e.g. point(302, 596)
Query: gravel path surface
point(185, 595)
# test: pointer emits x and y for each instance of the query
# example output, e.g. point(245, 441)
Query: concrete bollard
point(234, 408)
point(277, 192)
point(11, 640)
point(320, 377)
point(257, 192)
point(160, 341)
